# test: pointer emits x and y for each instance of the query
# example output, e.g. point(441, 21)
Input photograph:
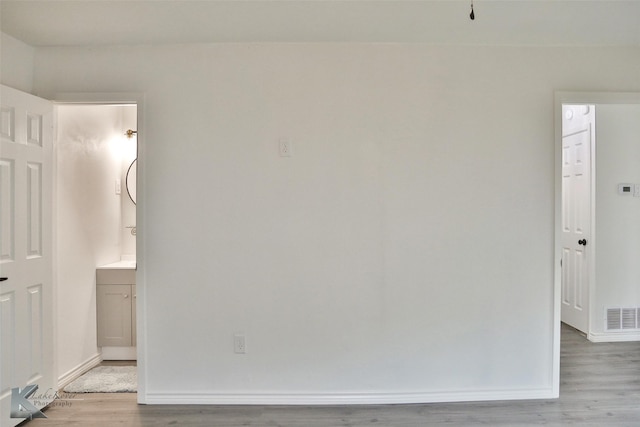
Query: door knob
point(2, 279)
point(582, 242)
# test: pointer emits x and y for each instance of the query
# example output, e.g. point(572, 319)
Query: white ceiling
point(501, 22)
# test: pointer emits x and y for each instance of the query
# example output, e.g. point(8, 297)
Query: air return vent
point(618, 319)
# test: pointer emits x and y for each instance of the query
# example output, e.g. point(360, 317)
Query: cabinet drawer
point(115, 276)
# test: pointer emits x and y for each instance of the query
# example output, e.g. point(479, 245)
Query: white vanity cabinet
point(116, 306)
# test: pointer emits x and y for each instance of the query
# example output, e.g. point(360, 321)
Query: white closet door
point(577, 139)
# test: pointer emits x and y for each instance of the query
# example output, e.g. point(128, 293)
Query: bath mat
point(106, 379)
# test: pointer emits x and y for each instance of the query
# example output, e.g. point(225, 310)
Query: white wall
point(617, 217)
point(90, 150)
point(16, 65)
point(129, 154)
point(405, 251)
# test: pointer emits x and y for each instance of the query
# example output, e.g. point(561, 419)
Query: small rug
point(106, 379)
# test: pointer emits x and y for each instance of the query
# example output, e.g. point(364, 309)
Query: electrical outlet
point(284, 148)
point(239, 344)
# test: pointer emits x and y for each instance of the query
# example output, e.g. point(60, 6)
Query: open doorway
point(614, 245)
point(96, 235)
point(611, 240)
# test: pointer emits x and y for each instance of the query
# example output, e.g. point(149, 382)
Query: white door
point(26, 295)
point(578, 133)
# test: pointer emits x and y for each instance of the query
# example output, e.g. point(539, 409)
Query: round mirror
point(132, 178)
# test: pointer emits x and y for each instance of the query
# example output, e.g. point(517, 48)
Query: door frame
point(138, 99)
point(560, 98)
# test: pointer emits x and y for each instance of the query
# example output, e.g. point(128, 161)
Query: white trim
point(557, 253)
point(119, 353)
point(342, 398)
point(98, 98)
point(76, 372)
point(54, 245)
point(597, 97)
point(614, 336)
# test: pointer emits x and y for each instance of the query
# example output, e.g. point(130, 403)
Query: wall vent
point(619, 319)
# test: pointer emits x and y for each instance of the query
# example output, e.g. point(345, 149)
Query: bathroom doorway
point(96, 230)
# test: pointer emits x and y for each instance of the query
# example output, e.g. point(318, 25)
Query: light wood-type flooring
point(600, 386)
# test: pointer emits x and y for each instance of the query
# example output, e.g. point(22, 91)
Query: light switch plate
point(239, 344)
point(284, 148)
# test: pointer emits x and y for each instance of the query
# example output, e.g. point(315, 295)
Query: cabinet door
point(114, 315)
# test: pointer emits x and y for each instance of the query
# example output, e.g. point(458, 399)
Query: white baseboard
point(119, 353)
point(74, 373)
point(618, 336)
point(340, 398)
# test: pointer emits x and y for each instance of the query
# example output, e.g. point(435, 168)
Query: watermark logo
point(25, 403)
point(20, 405)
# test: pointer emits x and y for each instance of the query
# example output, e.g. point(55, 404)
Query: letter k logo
point(21, 407)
